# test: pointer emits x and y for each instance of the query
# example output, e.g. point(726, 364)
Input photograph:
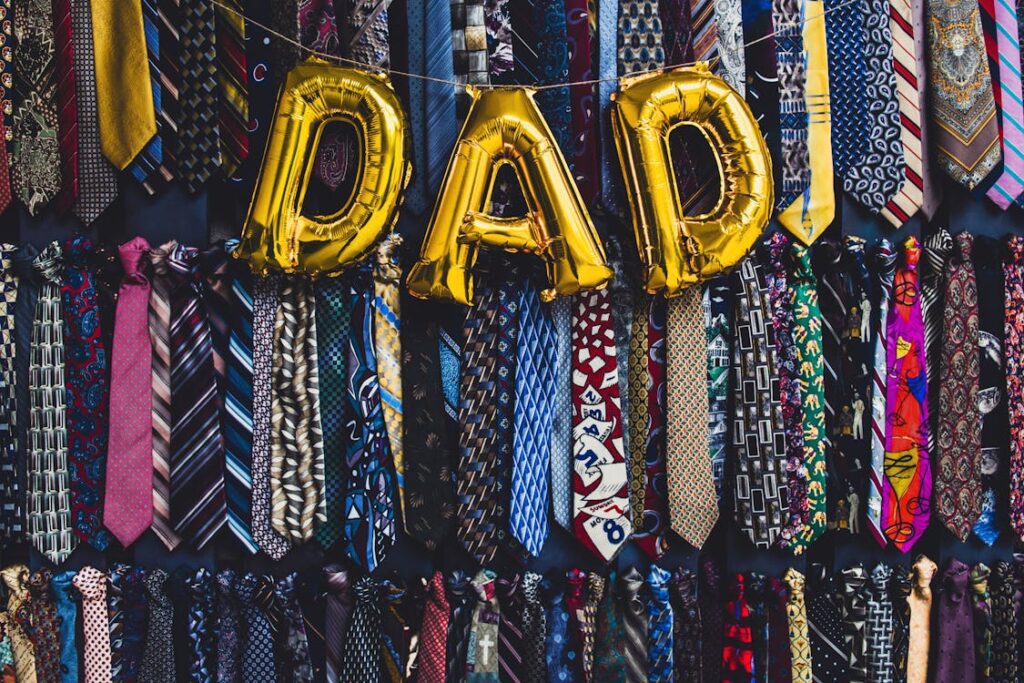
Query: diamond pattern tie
point(198, 153)
point(387, 343)
point(883, 264)
point(233, 77)
point(148, 161)
point(561, 419)
point(659, 626)
point(368, 33)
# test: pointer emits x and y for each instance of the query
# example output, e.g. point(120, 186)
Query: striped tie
point(705, 31)
point(168, 22)
point(152, 155)
point(234, 84)
point(198, 507)
point(935, 258)
point(883, 265)
point(387, 340)
point(66, 108)
point(1010, 184)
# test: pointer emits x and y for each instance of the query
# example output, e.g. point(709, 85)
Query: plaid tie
point(433, 633)
point(198, 153)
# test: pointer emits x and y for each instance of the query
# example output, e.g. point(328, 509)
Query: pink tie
point(129, 496)
point(1010, 184)
point(92, 584)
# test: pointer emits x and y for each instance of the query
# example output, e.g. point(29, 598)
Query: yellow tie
point(387, 342)
point(813, 210)
point(16, 578)
point(124, 93)
point(920, 600)
point(796, 611)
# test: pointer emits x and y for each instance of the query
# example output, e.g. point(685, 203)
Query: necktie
point(561, 419)
point(130, 581)
point(129, 492)
point(296, 450)
point(659, 626)
point(36, 178)
point(509, 292)
point(955, 654)
point(370, 497)
point(67, 617)
point(149, 159)
point(337, 614)
point(737, 639)
point(198, 506)
point(936, 252)
point(901, 587)
point(7, 40)
point(600, 495)
point(158, 655)
point(387, 327)
point(92, 584)
point(257, 658)
point(534, 630)
point(710, 601)
point(202, 645)
point(295, 659)
point(1010, 183)
point(686, 627)
point(217, 270)
point(576, 599)
point(966, 141)
point(534, 402)
point(482, 654)
point(333, 327)
point(6, 655)
point(608, 662)
point(596, 585)
point(311, 590)
point(637, 399)
point(626, 631)
point(1013, 274)
point(18, 625)
point(362, 655)
point(107, 272)
point(368, 33)
point(729, 19)
point(85, 378)
point(11, 509)
point(168, 21)
point(693, 508)
point(460, 620)
point(583, 148)
point(812, 209)
point(45, 634)
point(761, 80)
point(198, 153)
point(792, 73)
point(757, 429)
point(560, 654)
point(957, 485)
point(756, 592)
point(879, 625)
point(907, 488)
point(228, 628)
point(829, 656)
point(65, 105)
point(433, 634)
point(548, 35)
point(796, 622)
point(1005, 640)
point(780, 654)
point(855, 613)
point(717, 313)
point(981, 601)
point(428, 448)
point(232, 76)
point(808, 338)
point(845, 30)
point(607, 73)
point(920, 601)
point(469, 49)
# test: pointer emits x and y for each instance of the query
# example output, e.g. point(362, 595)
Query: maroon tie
point(67, 121)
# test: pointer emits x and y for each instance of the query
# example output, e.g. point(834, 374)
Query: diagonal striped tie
point(151, 157)
point(1010, 184)
point(67, 123)
point(233, 76)
point(704, 31)
point(168, 23)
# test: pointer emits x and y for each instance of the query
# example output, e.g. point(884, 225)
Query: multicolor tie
point(198, 153)
point(387, 340)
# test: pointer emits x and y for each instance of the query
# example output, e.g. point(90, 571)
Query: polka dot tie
point(92, 584)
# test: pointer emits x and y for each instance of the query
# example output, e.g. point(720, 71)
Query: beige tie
point(693, 506)
point(92, 584)
point(920, 601)
point(796, 612)
point(16, 578)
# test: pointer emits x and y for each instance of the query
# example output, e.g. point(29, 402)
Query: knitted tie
point(855, 613)
point(362, 655)
point(1013, 274)
point(337, 615)
point(796, 615)
point(198, 152)
point(129, 492)
point(158, 655)
point(387, 328)
point(920, 602)
point(879, 625)
point(659, 626)
point(92, 584)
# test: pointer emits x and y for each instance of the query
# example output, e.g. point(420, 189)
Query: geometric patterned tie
point(787, 18)
point(361, 663)
point(637, 377)
point(829, 656)
point(879, 625)
point(1013, 352)
point(854, 599)
point(11, 510)
point(1004, 619)
point(935, 262)
point(659, 624)
point(433, 633)
point(338, 612)
point(845, 31)
point(158, 653)
point(198, 153)
point(796, 612)
point(561, 420)
point(387, 342)
point(257, 658)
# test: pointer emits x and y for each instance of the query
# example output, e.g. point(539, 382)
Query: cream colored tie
point(796, 612)
point(920, 601)
point(16, 578)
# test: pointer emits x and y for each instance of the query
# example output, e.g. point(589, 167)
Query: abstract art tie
point(854, 615)
point(1013, 274)
point(937, 248)
point(659, 626)
point(387, 340)
point(737, 637)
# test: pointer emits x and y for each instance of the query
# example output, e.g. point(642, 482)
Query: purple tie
point(129, 495)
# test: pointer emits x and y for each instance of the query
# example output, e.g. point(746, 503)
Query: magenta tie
point(129, 496)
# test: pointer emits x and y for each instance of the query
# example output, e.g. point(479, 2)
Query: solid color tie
point(85, 377)
point(1013, 274)
point(883, 263)
point(1010, 183)
point(148, 161)
point(981, 601)
point(92, 584)
point(796, 620)
point(879, 625)
point(935, 262)
point(257, 659)
point(659, 626)
point(129, 492)
point(737, 639)
point(792, 74)
point(482, 653)
point(198, 505)
point(161, 286)
point(920, 601)
point(757, 431)
point(600, 488)
point(812, 210)
point(361, 663)
point(433, 634)
point(232, 75)
point(198, 153)
point(808, 338)
point(42, 609)
point(561, 419)
point(1005, 638)
point(906, 492)
point(158, 655)
point(127, 117)
point(855, 612)
point(955, 654)
point(829, 657)
point(966, 140)
point(534, 403)
point(387, 342)
point(337, 615)
point(18, 626)
point(370, 497)
point(36, 178)
point(67, 111)
point(333, 328)
point(957, 482)
point(693, 507)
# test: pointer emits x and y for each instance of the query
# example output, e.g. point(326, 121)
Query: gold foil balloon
point(676, 250)
point(276, 234)
point(504, 126)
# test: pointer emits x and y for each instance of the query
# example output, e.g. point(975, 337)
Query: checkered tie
point(198, 152)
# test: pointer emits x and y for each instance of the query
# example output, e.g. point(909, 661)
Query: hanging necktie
point(148, 161)
point(64, 100)
point(11, 508)
point(829, 656)
point(907, 485)
point(717, 313)
point(792, 73)
point(129, 583)
point(596, 587)
point(460, 620)
point(576, 603)
point(293, 631)
point(920, 601)
point(85, 377)
point(36, 179)
point(731, 67)
point(1013, 274)
point(7, 44)
point(639, 406)
point(845, 30)
point(534, 629)
point(761, 78)
point(361, 663)
point(582, 151)
point(232, 76)
point(561, 653)
point(228, 627)
point(482, 653)
point(879, 625)
point(257, 658)
point(115, 621)
point(1010, 183)
point(693, 507)
point(158, 655)
point(469, 49)
point(337, 615)
point(511, 644)
point(534, 403)
point(92, 584)
point(957, 484)
point(955, 655)
point(796, 626)
point(935, 262)
point(982, 602)
point(296, 449)
point(757, 597)
point(198, 505)
point(609, 657)
point(1005, 638)
point(600, 489)
point(202, 646)
point(710, 600)
point(129, 491)
point(368, 33)
point(218, 270)
point(622, 632)
point(606, 30)
point(686, 627)
point(433, 634)
point(812, 209)
point(198, 153)
point(737, 641)
point(883, 264)
point(659, 626)
point(561, 419)
point(855, 612)
point(992, 402)
point(42, 608)
point(901, 587)
point(387, 342)
point(757, 427)
point(966, 140)
point(18, 626)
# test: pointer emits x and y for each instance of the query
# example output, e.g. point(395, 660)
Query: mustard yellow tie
point(124, 93)
point(813, 209)
point(920, 600)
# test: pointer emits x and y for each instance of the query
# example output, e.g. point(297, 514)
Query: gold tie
point(693, 504)
point(920, 600)
point(813, 210)
point(16, 578)
point(796, 612)
point(638, 407)
point(387, 342)
point(124, 93)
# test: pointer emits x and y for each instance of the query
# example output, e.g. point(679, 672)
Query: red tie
point(5, 178)
point(433, 634)
point(67, 117)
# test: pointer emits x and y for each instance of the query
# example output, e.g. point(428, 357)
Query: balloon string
point(549, 86)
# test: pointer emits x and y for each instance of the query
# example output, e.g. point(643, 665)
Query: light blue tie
point(659, 626)
point(67, 613)
point(535, 398)
point(607, 68)
point(561, 423)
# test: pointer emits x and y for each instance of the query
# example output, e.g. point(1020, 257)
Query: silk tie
point(362, 656)
point(1013, 274)
point(92, 584)
point(18, 625)
point(198, 505)
point(158, 655)
point(966, 142)
point(883, 263)
point(387, 328)
point(433, 634)
point(577, 598)
point(228, 627)
point(148, 161)
point(337, 615)
point(168, 21)
point(129, 581)
point(757, 429)
point(482, 653)
point(1010, 183)
point(845, 31)
point(561, 656)
point(829, 657)
point(202, 644)
point(232, 76)
point(66, 108)
point(632, 635)
point(686, 627)
point(981, 602)
point(45, 620)
point(920, 602)
point(796, 617)
point(504, 424)
point(459, 623)
point(855, 613)
point(792, 73)
point(659, 626)
point(718, 305)
point(609, 640)
point(935, 262)
point(85, 367)
point(906, 492)
point(596, 587)
point(1005, 638)
point(607, 75)
point(879, 625)
point(115, 622)
point(292, 628)
point(258, 660)
point(693, 508)
point(637, 399)
point(534, 629)
point(583, 148)
point(812, 210)
point(198, 153)
point(11, 501)
point(67, 616)
point(710, 601)
point(561, 419)
point(511, 644)
point(955, 654)
point(737, 639)
point(129, 493)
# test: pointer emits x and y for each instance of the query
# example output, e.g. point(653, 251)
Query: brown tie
point(920, 601)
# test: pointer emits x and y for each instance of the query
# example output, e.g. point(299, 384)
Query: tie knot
point(91, 583)
point(7, 254)
point(23, 260)
point(16, 578)
point(336, 579)
point(924, 571)
point(199, 583)
point(658, 580)
point(883, 259)
point(911, 253)
point(802, 270)
point(979, 579)
point(1015, 248)
point(435, 589)
point(39, 584)
point(387, 267)
point(366, 591)
point(964, 246)
point(828, 256)
point(133, 255)
point(159, 256)
point(595, 587)
point(531, 586)
point(184, 261)
point(795, 580)
point(629, 586)
point(956, 579)
point(510, 587)
point(78, 250)
point(937, 248)
point(50, 263)
point(215, 260)
point(226, 583)
point(881, 577)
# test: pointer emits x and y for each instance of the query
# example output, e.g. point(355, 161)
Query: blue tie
point(561, 418)
point(659, 626)
point(151, 157)
point(535, 395)
point(845, 32)
point(559, 651)
point(67, 616)
point(257, 652)
point(607, 68)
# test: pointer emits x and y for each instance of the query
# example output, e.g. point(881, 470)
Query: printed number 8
point(613, 530)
